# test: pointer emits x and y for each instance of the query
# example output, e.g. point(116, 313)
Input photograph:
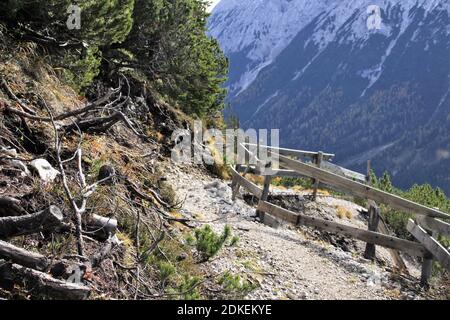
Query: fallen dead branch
point(137, 192)
point(48, 219)
point(59, 268)
point(89, 107)
point(10, 207)
point(154, 196)
point(15, 98)
point(41, 283)
point(97, 258)
point(23, 257)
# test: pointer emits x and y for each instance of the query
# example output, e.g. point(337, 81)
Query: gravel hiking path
point(287, 262)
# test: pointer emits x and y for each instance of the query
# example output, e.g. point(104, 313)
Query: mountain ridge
point(363, 94)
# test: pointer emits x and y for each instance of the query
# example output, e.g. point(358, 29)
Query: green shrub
point(190, 240)
point(189, 288)
point(423, 194)
point(397, 221)
point(235, 286)
point(208, 242)
point(82, 70)
point(289, 182)
point(166, 270)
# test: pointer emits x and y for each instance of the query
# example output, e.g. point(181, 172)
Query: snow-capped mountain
point(260, 29)
point(331, 77)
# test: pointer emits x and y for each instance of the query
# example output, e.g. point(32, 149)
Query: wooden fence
point(425, 227)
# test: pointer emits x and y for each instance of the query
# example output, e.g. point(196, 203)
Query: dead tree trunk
point(41, 283)
point(23, 257)
point(49, 218)
point(58, 268)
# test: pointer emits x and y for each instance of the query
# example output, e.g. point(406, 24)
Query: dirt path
point(286, 262)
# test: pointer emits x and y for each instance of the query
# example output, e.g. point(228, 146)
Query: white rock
point(45, 170)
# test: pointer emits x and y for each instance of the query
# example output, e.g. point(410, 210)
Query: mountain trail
point(286, 262)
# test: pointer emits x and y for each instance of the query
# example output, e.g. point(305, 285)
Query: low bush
point(208, 242)
point(235, 287)
point(289, 182)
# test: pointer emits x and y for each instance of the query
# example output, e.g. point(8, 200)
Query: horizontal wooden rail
point(433, 246)
point(271, 172)
point(361, 190)
point(353, 175)
point(439, 226)
point(289, 173)
point(241, 181)
point(376, 238)
point(253, 156)
point(293, 152)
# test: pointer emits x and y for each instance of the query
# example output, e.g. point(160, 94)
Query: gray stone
point(105, 172)
point(212, 185)
point(45, 170)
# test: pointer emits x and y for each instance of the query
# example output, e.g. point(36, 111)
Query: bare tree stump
point(47, 219)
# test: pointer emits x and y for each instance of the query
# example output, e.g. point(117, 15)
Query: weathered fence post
point(318, 160)
point(427, 269)
point(383, 228)
point(436, 251)
point(374, 219)
point(369, 169)
point(427, 265)
point(235, 185)
point(264, 196)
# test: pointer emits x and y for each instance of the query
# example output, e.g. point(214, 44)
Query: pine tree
point(35, 13)
point(103, 23)
point(385, 183)
point(106, 22)
point(169, 42)
point(373, 179)
point(164, 39)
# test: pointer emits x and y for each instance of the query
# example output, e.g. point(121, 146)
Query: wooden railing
point(425, 228)
point(292, 152)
